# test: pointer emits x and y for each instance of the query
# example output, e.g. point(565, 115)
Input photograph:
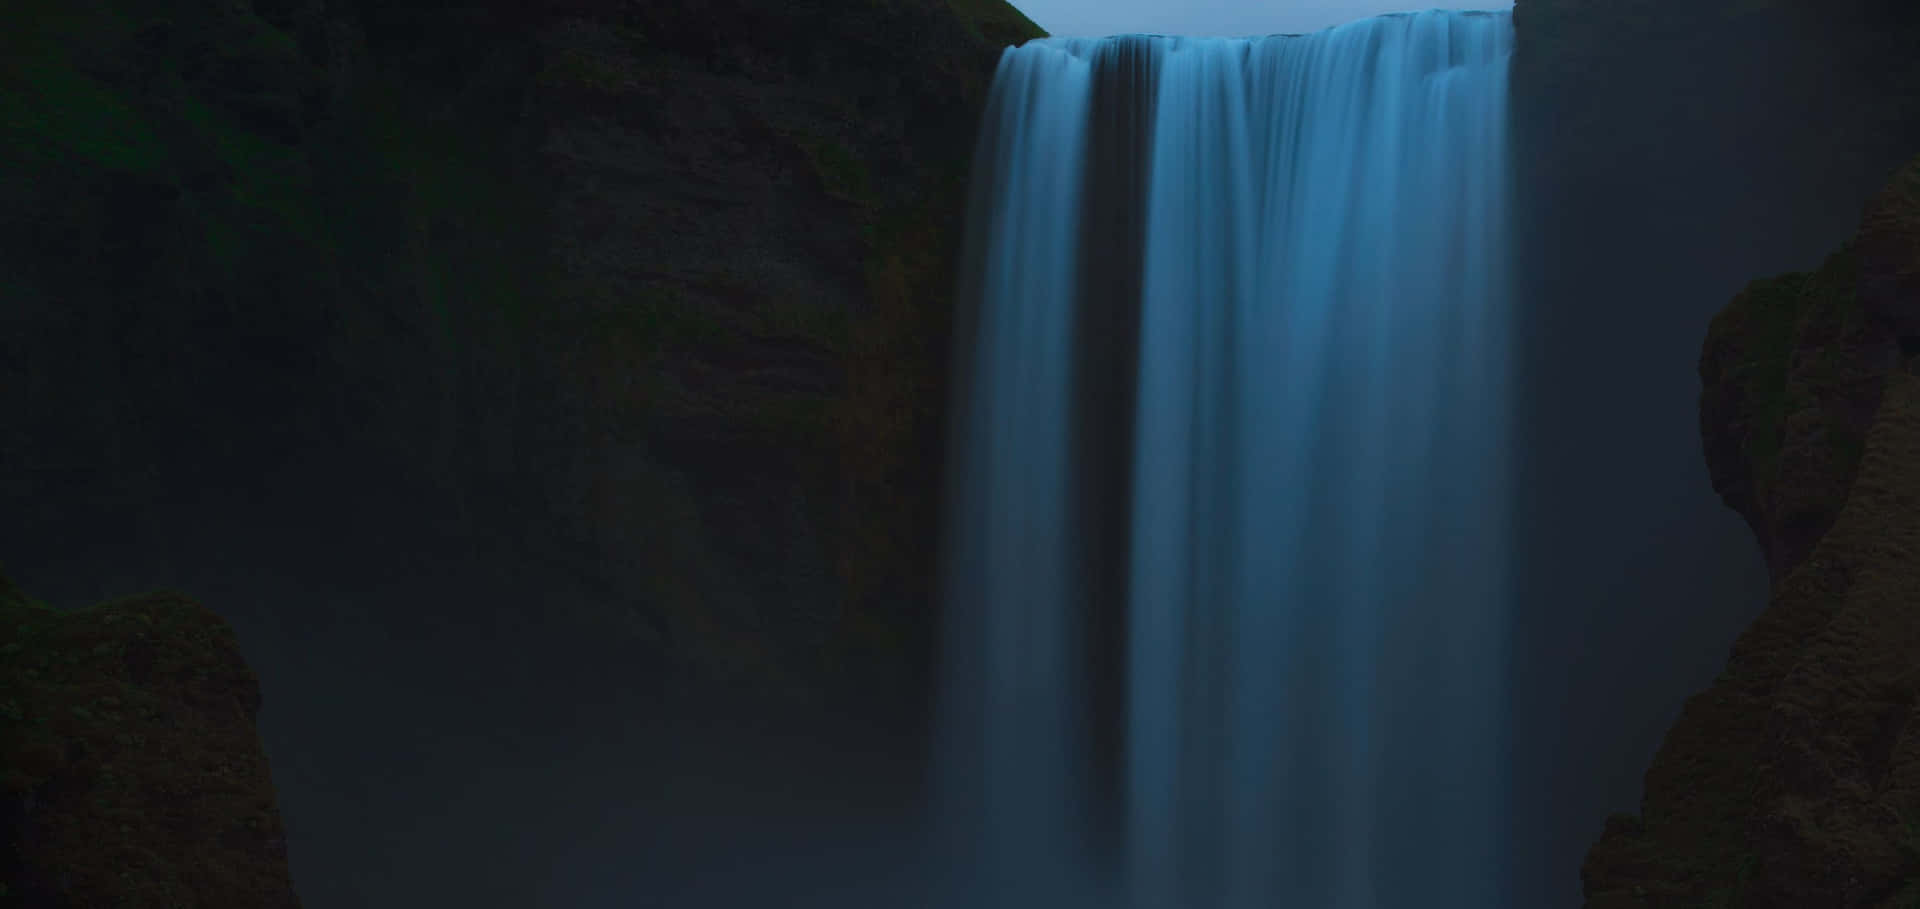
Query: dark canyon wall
point(1668, 153)
point(1793, 778)
point(374, 324)
point(657, 288)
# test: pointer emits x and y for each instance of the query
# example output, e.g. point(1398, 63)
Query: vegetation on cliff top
point(997, 21)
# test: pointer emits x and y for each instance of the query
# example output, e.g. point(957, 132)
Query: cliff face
point(656, 292)
point(1666, 154)
point(756, 209)
point(132, 773)
point(1794, 780)
point(645, 298)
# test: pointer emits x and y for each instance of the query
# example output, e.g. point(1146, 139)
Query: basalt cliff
point(1794, 780)
point(651, 294)
point(656, 289)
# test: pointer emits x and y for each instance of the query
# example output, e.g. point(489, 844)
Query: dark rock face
point(133, 775)
point(652, 296)
point(1889, 251)
point(755, 214)
point(1792, 780)
point(1666, 153)
point(659, 291)
point(1791, 378)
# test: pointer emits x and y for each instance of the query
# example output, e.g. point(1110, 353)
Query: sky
point(1095, 18)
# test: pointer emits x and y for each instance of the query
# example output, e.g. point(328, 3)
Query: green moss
point(1763, 317)
point(50, 112)
point(264, 39)
point(840, 170)
point(423, 214)
point(267, 175)
point(997, 21)
point(1769, 321)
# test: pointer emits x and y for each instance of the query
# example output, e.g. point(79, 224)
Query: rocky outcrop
point(1889, 251)
point(1792, 375)
point(1794, 780)
point(1667, 153)
point(131, 773)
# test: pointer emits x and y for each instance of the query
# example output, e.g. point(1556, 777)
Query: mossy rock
point(133, 771)
point(1791, 372)
point(1786, 782)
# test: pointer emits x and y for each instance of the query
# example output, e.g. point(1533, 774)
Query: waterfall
point(1225, 578)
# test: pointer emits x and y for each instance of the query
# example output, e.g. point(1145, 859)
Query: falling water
point(1269, 308)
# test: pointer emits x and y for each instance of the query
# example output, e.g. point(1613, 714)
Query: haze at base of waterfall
point(1225, 572)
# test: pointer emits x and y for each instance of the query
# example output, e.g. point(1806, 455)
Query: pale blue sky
point(1094, 18)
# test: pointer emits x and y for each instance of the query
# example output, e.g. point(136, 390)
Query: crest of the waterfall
point(1314, 586)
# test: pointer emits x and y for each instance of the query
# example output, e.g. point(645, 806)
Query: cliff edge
point(1794, 780)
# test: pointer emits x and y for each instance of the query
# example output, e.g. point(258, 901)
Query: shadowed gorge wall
point(557, 270)
point(1789, 780)
point(1666, 154)
point(583, 353)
